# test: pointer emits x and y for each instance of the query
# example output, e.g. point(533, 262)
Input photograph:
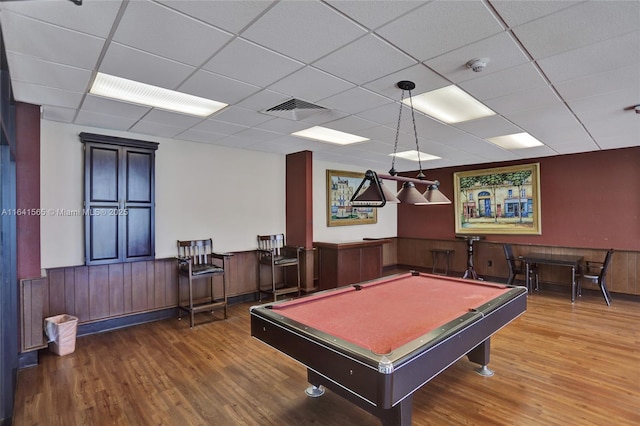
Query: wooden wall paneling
point(70, 291)
point(244, 268)
point(116, 289)
point(485, 252)
point(81, 293)
point(411, 251)
point(634, 273)
point(150, 284)
point(390, 253)
point(127, 288)
point(159, 284)
point(138, 286)
point(57, 294)
point(370, 263)
point(99, 296)
point(32, 315)
point(171, 269)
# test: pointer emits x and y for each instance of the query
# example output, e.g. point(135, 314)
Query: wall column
point(299, 210)
point(28, 190)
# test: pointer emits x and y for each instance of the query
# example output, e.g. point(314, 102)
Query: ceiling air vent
point(295, 109)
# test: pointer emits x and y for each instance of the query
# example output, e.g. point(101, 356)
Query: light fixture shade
point(389, 195)
point(434, 196)
point(372, 195)
point(410, 195)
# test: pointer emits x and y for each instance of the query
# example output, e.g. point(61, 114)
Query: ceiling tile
point(522, 100)
point(441, 26)
point(373, 56)
point(126, 62)
point(608, 55)
point(625, 78)
point(501, 50)
point(112, 107)
point(355, 100)
point(232, 16)
point(512, 80)
point(489, 127)
point(27, 36)
point(156, 129)
point(168, 118)
point(217, 87)
point(351, 124)
point(51, 74)
point(241, 116)
point(373, 14)
point(298, 85)
point(248, 62)
point(156, 29)
point(64, 115)
point(518, 12)
point(42, 95)
point(218, 127)
point(300, 22)
point(586, 23)
point(94, 119)
point(93, 17)
point(424, 79)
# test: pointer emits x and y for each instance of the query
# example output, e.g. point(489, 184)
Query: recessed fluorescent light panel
point(324, 134)
point(450, 104)
point(413, 155)
point(515, 141)
point(121, 89)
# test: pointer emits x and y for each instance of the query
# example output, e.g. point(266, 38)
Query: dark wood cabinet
point(119, 199)
point(348, 262)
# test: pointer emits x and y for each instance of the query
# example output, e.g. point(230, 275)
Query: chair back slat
point(198, 250)
point(605, 265)
point(508, 253)
point(274, 243)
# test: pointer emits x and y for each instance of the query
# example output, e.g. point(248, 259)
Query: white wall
point(202, 191)
point(387, 216)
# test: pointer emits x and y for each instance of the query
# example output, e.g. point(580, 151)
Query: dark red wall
point(28, 189)
point(589, 200)
point(299, 199)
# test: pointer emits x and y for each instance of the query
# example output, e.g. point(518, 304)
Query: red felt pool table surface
point(388, 313)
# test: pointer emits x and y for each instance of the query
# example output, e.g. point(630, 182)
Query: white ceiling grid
point(567, 72)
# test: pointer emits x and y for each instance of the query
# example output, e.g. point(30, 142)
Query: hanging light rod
point(377, 195)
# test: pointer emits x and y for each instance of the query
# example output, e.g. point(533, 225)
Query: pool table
point(377, 342)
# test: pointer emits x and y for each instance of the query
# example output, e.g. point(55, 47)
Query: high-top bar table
point(470, 273)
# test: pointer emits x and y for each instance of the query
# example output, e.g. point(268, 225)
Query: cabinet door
point(102, 203)
point(119, 200)
point(138, 205)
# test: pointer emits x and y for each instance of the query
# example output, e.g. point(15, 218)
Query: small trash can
point(61, 332)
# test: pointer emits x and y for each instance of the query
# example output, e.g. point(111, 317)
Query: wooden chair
point(197, 260)
point(274, 253)
point(518, 267)
point(596, 272)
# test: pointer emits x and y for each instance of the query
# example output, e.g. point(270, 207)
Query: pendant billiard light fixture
point(377, 195)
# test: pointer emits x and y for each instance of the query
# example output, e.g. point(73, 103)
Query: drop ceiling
point(567, 72)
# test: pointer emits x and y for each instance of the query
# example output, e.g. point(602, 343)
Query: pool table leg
point(398, 415)
point(480, 355)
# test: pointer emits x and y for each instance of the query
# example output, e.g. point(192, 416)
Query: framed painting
point(503, 200)
point(340, 188)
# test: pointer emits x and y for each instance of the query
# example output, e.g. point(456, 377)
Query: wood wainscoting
point(103, 292)
point(489, 261)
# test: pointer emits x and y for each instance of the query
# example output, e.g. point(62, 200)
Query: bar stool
point(437, 254)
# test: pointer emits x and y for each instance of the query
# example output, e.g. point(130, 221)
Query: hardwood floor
point(558, 364)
